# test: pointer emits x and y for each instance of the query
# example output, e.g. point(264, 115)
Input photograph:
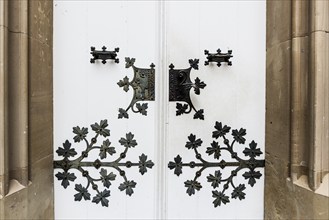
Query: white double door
point(161, 32)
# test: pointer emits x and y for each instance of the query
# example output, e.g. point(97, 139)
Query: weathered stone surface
point(41, 21)
point(319, 16)
point(278, 23)
point(286, 200)
point(300, 18)
point(288, 88)
point(41, 190)
point(278, 99)
point(34, 201)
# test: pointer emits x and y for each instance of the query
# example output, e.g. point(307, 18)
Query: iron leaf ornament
point(71, 160)
point(143, 86)
point(220, 184)
point(180, 85)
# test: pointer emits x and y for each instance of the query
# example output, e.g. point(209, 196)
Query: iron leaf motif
point(214, 149)
point(80, 133)
point(144, 164)
point(193, 142)
point(177, 165)
point(128, 187)
point(252, 151)
point(142, 108)
point(198, 85)
point(239, 135)
point(220, 130)
point(67, 151)
point(181, 109)
point(218, 182)
point(82, 193)
point(123, 113)
point(106, 178)
point(252, 176)
point(219, 198)
point(124, 83)
point(238, 192)
point(215, 179)
point(106, 149)
point(102, 198)
point(101, 128)
point(192, 185)
point(66, 177)
point(128, 141)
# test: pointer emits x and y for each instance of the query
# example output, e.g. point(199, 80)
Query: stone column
point(26, 119)
point(296, 173)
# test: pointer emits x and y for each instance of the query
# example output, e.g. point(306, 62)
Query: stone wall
point(27, 194)
point(296, 173)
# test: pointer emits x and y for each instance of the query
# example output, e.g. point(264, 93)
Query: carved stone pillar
point(26, 126)
point(297, 146)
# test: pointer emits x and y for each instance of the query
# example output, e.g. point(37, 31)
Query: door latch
point(180, 85)
point(218, 57)
point(143, 86)
point(106, 152)
point(104, 55)
point(222, 184)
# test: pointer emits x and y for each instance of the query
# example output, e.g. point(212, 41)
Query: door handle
point(218, 57)
point(221, 184)
point(180, 85)
point(104, 55)
point(143, 86)
point(81, 164)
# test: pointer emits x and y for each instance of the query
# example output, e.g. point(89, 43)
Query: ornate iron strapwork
point(105, 150)
point(180, 85)
point(218, 182)
point(218, 57)
point(143, 86)
point(104, 55)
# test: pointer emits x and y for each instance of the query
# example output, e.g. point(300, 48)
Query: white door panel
point(160, 32)
point(86, 93)
point(234, 95)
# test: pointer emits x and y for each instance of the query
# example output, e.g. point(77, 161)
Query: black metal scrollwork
point(180, 85)
point(105, 149)
point(218, 57)
point(143, 86)
point(216, 180)
point(104, 55)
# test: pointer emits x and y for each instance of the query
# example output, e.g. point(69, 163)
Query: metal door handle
point(104, 55)
point(218, 57)
point(180, 85)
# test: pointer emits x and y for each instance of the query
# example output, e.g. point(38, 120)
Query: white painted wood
point(234, 95)
point(161, 32)
point(85, 93)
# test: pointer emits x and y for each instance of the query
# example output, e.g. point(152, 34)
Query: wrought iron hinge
point(104, 55)
point(220, 183)
point(143, 86)
point(180, 85)
point(218, 57)
point(106, 150)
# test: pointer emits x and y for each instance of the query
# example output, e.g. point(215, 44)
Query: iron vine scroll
point(105, 150)
point(143, 86)
point(216, 178)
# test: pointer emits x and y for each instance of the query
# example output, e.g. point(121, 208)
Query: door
point(159, 162)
